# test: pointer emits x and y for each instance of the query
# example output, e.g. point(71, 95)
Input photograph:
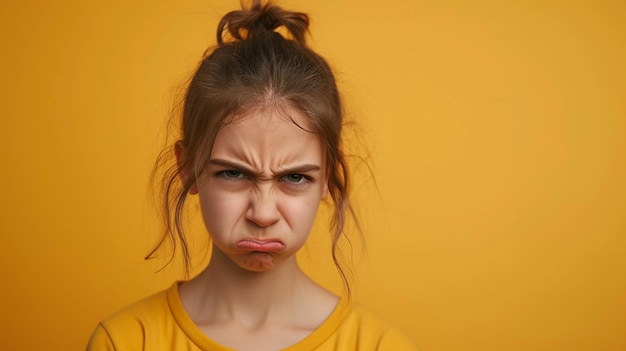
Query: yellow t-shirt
point(160, 322)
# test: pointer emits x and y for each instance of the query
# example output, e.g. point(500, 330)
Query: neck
point(225, 291)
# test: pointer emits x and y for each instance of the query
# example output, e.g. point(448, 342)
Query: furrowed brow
point(232, 165)
point(305, 168)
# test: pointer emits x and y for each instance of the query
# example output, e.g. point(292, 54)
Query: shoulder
point(127, 328)
point(354, 327)
point(364, 330)
point(153, 309)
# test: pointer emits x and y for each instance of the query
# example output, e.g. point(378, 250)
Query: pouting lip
point(270, 245)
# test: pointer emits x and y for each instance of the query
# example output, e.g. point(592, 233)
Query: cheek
point(221, 211)
point(301, 212)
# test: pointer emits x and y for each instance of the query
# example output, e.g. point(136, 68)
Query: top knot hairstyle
point(254, 66)
point(260, 20)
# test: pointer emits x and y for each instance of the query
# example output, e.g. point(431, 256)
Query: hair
point(254, 66)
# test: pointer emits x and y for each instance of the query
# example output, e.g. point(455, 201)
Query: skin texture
point(259, 196)
point(264, 182)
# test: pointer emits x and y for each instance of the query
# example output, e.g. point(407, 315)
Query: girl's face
point(261, 189)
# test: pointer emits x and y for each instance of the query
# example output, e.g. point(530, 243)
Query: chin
point(258, 262)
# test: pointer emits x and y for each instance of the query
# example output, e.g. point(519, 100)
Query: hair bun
point(259, 20)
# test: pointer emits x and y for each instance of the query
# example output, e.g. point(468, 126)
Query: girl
point(261, 147)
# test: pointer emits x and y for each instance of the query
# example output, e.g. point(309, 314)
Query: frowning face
point(262, 187)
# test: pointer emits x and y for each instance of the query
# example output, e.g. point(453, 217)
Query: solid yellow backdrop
point(497, 133)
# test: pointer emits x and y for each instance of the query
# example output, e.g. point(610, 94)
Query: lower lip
point(262, 246)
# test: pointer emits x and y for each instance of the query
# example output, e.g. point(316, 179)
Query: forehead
point(271, 117)
point(268, 138)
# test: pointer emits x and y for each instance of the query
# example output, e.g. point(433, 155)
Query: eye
point(296, 181)
point(294, 178)
point(232, 174)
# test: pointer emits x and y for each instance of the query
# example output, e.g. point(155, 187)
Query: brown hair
point(253, 65)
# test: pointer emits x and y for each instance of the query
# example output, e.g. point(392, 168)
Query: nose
point(262, 210)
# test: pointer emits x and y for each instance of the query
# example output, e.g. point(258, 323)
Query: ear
point(183, 170)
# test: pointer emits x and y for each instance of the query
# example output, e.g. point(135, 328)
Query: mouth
point(260, 245)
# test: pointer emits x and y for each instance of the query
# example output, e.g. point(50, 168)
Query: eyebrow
point(305, 168)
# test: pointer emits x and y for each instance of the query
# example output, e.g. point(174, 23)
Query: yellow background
point(498, 139)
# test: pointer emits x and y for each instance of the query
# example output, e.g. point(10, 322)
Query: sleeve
point(100, 340)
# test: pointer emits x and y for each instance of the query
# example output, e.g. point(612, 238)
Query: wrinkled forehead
point(260, 122)
point(268, 141)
